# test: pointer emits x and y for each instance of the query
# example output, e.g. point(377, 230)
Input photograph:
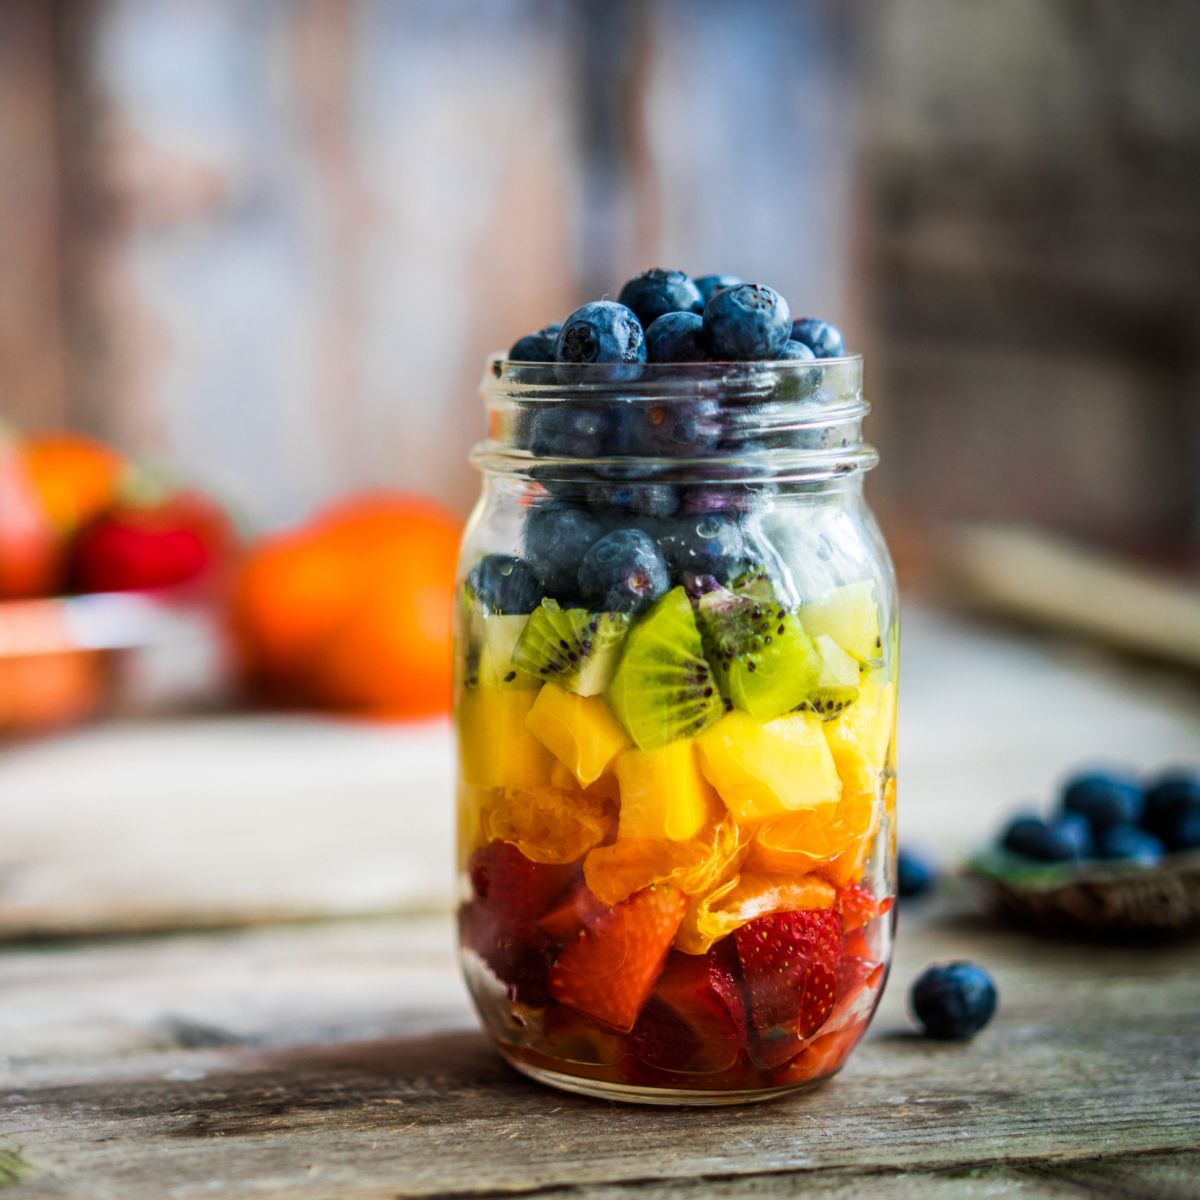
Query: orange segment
point(804, 841)
point(548, 825)
point(630, 864)
point(743, 898)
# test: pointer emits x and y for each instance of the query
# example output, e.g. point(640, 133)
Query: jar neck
point(776, 422)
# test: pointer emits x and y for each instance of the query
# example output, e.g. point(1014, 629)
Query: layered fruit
point(674, 808)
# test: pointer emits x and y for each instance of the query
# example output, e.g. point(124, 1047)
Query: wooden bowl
point(1094, 897)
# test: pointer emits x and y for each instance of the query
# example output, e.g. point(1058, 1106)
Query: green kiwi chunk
point(663, 688)
point(762, 659)
point(572, 647)
point(837, 686)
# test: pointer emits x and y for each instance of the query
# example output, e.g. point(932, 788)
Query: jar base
point(628, 1093)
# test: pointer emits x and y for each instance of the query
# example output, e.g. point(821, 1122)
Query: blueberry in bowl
point(1104, 798)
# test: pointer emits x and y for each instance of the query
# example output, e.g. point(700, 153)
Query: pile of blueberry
point(1113, 815)
point(665, 317)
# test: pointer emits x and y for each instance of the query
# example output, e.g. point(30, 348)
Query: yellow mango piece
point(763, 770)
point(580, 731)
point(743, 898)
point(615, 872)
point(663, 794)
point(859, 737)
point(548, 824)
point(495, 748)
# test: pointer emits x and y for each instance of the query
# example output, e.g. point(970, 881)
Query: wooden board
point(210, 821)
point(341, 1060)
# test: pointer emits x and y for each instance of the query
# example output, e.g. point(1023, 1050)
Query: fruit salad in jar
point(675, 702)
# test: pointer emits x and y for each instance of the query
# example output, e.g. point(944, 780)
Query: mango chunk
point(580, 731)
point(848, 615)
point(663, 794)
point(763, 770)
point(860, 736)
point(495, 748)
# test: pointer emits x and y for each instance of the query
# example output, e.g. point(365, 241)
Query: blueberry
point(1130, 843)
point(677, 337)
point(556, 539)
point(954, 1000)
point(823, 339)
point(1169, 800)
point(1185, 835)
point(653, 293)
point(601, 332)
point(1074, 831)
point(747, 322)
point(1104, 798)
point(731, 498)
point(536, 347)
point(712, 544)
point(623, 572)
point(1031, 837)
point(668, 428)
point(710, 285)
point(565, 429)
point(796, 351)
point(640, 499)
point(915, 876)
point(505, 584)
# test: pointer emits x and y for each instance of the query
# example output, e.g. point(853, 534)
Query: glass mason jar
point(675, 693)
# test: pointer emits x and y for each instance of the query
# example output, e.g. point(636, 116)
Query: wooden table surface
point(339, 1057)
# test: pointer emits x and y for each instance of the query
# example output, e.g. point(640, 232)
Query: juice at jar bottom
point(676, 812)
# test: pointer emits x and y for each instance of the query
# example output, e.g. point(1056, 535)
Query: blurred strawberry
point(608, 972)
point(790, 964)
point(162, 544)
point(571, 912)
point(28, 549)
point(858, 906)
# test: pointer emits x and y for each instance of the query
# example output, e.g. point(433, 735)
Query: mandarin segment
point(548, 824)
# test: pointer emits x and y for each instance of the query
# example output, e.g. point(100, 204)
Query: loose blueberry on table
point(953, 1001)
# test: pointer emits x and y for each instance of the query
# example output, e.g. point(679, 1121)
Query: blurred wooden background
point(271, 243)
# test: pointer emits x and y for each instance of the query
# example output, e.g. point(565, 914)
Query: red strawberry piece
point(499, 923)
point(858, 906)
point(696, 1019)
point(821, 1057)
point(790, 964)
point(609, 970)
point(131, 547)
point(575, 908)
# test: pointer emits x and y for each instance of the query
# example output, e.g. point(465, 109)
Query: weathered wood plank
point(1095, 1053)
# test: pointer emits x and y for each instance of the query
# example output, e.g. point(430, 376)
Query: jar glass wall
point(676, 655)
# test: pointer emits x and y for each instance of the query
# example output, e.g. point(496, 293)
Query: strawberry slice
point(499, 922)
point(858, 906)
point(696, 1019)
point(609, 970)
point(576, 907)
point(790, 964)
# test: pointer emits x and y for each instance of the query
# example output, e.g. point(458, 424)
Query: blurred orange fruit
point(354, 610)
point(75, 477)
point(29, 558)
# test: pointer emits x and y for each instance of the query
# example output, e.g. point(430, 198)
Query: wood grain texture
point(1092, 1061)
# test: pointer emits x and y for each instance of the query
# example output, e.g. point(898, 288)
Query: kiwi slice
point(663, 688)
point(838, 684)
point(762, 659)
point(575, 648)
point(500, 635)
